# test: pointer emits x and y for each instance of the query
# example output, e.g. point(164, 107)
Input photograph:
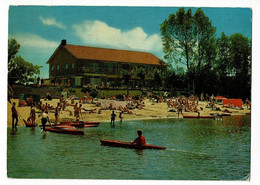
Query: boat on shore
point(123, 144)
point(64, 130)
point(199, 116)
point(80, 124)
point(30, 124)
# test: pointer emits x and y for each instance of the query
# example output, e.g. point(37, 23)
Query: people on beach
point(57, 112)
point(48, 95)
point(120, 116)
point(140, 140)
point(64, 94)
point(14, 116)
point(78, 112)
point(113, 117)
point(33, 115)
point(45, 118)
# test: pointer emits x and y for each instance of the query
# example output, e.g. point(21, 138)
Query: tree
point(177, 37)
point(158, 78)
point(189, 37)
point(13, 48)
point(233, 65)
point(240, 54)
point(126, 76)
point(19, 70)
point(204, 34)
point(141, 75)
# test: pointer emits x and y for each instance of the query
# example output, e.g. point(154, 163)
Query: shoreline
point(150, 112)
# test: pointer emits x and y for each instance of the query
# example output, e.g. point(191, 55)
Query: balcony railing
point(98, 71)
point(107, 71)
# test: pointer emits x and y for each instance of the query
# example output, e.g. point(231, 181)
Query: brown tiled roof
point(92, 53)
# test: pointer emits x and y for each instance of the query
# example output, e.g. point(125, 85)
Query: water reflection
point(139, 152)
point(44, 135)
point(236, 120)
point(14, 131)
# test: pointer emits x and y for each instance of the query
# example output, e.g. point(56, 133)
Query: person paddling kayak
point(140, 140)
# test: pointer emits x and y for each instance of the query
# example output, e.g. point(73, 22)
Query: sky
point(40, 29)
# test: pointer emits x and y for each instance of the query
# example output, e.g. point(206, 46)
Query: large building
point(81, 65)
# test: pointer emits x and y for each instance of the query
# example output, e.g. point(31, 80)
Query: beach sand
point(150, 111)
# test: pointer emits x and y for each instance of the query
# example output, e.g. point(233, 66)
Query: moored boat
point(190, 116)
point(64, 131)
point(116, 143)
point(29, 124)
point(80, 124)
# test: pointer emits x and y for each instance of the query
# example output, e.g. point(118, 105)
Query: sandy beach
point(150, 111)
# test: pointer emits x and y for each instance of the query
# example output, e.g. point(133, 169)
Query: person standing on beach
point(113, 117)
point(57, 111)
point(78, 112)
point(64, 94)
point(14, 116)
point(45, 118)
point(120, 116)
point(33, 115)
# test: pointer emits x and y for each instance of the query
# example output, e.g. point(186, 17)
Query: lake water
point(197, 149)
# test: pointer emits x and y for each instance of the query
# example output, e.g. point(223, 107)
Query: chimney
point(63, 42)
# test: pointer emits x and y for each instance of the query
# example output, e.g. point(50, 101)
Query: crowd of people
point(178, 104)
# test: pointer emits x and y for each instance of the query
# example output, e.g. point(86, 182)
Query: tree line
point(212, 65)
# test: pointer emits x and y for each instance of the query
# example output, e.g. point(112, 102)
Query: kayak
point(64, 131)
point(72, 123)
point(80, 124)
point(29, 124)
point(58, 126)
point(116, 143)
point(222, 114)
point(198, 116)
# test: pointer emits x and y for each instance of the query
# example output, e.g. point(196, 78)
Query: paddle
point(25, 122)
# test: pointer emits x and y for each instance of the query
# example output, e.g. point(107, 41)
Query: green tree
point(158, 78)
point(240, 55)
point(204, 34)
point(13, 48)
point(177, 37)
point(189, 37)
point(19, 70)
point(126, 76)
point(141, 75)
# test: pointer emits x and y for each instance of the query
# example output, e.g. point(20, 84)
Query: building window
point(52, 68)
point(66, 66)
point(77, 82)
point(72, 65)
point(125, 67)
point(58, 67)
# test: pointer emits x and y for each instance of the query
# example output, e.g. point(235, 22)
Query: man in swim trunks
point(14, 116)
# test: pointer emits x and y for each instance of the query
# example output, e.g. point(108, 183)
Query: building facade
point(81, 65)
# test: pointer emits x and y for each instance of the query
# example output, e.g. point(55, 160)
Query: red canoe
point(116, 143)
point(64, 131)
point(80, 124)
point(29, 124)
point(58, 126)
point(198, 116)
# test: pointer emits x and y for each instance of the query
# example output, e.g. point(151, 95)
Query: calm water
point(196, 150)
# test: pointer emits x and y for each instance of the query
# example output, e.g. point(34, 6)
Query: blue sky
point(39, 29)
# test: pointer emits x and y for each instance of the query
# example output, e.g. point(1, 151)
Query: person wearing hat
point(140, 140)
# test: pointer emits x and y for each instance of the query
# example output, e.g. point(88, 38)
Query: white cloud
point(51, 22)
point(34, 41)
point(97, 32)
